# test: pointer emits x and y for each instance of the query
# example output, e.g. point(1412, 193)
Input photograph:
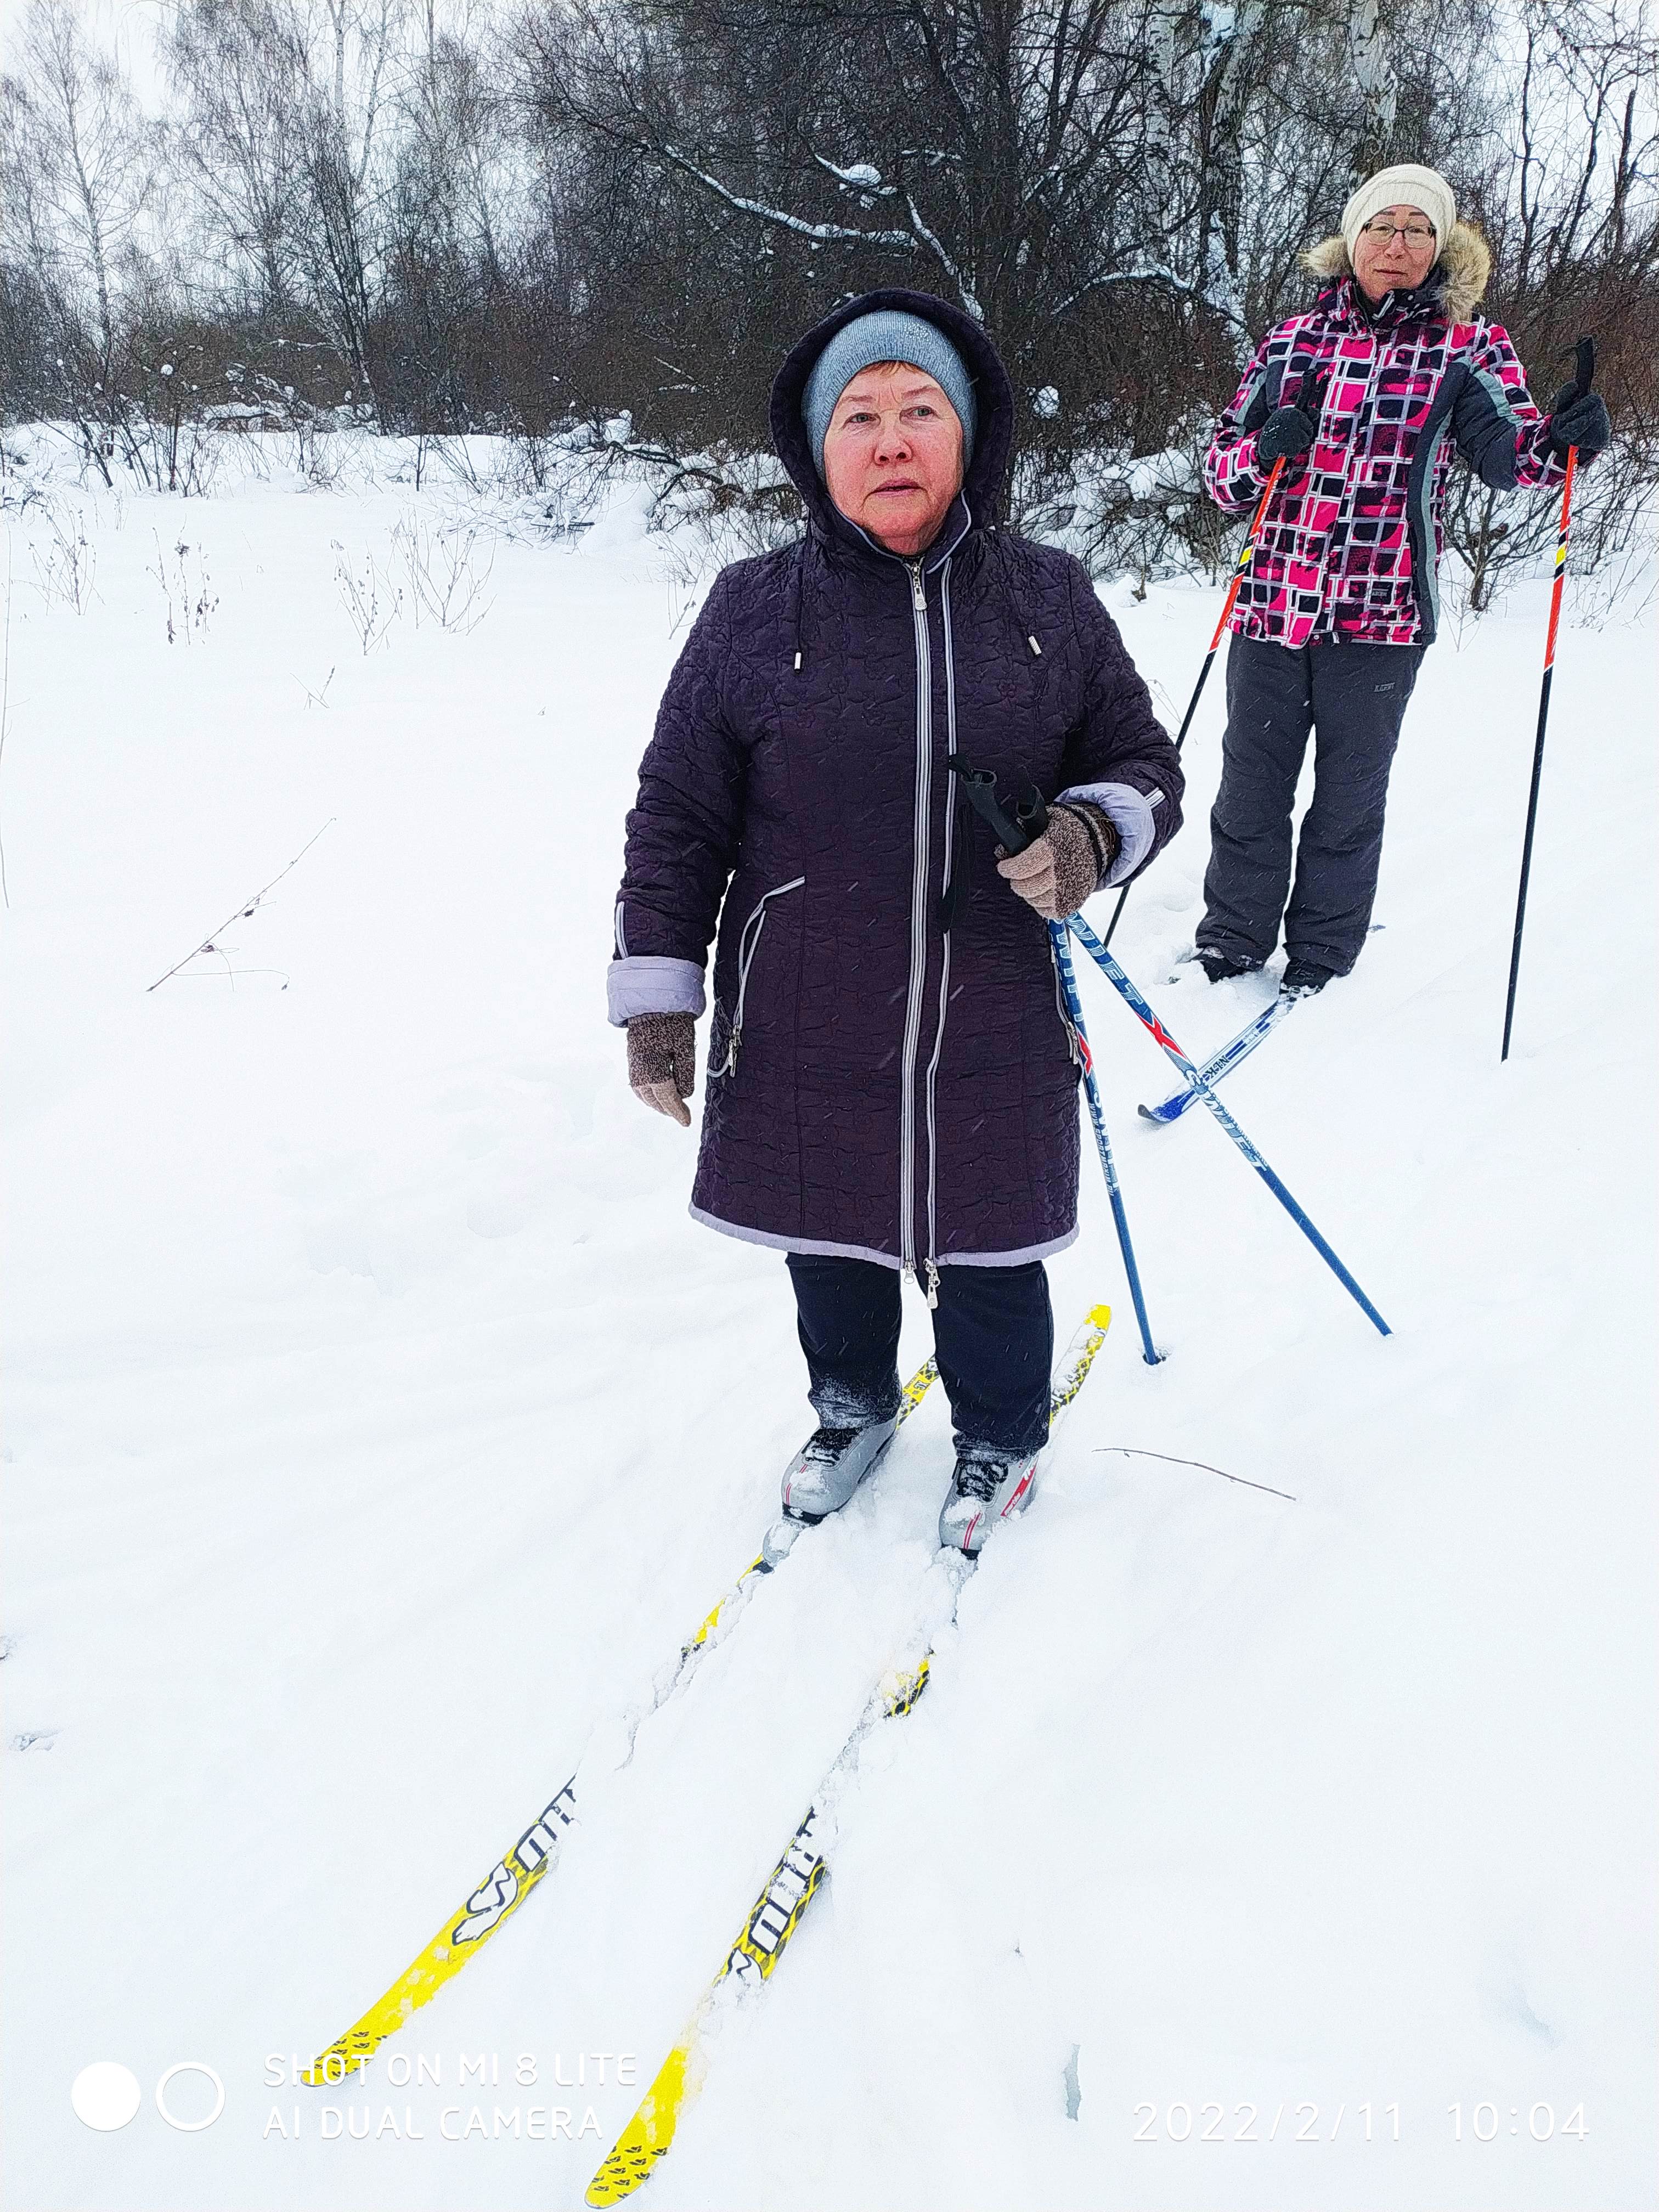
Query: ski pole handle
point(1032, 815)
point(1584, 375)
point(980, 789)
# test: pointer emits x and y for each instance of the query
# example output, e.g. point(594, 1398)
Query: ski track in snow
point(379, 1424)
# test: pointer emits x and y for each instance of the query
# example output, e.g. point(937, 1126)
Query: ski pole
point(1239, 573)
point(1222, 1062)
point(1585, 378)
point(980, 786)
point(1142, 1013)
point(1102, 1142)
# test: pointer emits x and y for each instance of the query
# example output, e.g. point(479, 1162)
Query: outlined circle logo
point(190, 2066)
point(106, 2095)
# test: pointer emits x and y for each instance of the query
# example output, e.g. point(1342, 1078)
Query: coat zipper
point(748, 945)
point(1343, 519)
point(918, 928)
point(932, 1261)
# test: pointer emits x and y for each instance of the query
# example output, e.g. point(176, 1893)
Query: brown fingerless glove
point(1058, 871)
point(662, 1062)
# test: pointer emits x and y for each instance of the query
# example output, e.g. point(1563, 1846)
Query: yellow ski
point(795, 1880)
point(529, 1861)
point(760, 1944)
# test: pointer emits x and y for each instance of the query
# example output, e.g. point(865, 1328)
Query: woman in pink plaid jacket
point(1365, 398)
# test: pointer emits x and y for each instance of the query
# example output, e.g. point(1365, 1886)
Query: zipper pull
point(918, 590)
point(932, 1285)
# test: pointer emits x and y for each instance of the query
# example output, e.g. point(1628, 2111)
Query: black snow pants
point(1355, 697)
point(994, 1334)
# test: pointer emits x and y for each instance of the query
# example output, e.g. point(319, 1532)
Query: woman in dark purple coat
point(892, 1086)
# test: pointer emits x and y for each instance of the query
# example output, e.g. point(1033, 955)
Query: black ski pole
point(1584, 376)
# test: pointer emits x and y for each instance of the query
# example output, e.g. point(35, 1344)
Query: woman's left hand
point(1580, 419)
point(1068, 864)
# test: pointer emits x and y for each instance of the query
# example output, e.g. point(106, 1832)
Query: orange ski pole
point(1239, 573)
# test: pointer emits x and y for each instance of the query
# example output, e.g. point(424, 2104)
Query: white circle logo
point(106, 2096)
point(190, 2066)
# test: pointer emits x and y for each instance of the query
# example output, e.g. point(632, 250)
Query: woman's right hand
point(662, 1062)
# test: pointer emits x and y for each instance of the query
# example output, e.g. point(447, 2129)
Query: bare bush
point(369, 596)
point(66, 564)
point(445, 583)
point(1148, 517)
point(186, 589)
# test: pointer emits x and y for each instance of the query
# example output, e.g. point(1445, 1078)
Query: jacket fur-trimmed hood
point(1461, 272)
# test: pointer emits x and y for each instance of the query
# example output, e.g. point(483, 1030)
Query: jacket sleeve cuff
point(1242, 477)
point(1130, 812)
point(650, 983)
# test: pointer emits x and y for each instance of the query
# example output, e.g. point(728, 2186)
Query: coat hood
point(982, 486)
point(1460, 273)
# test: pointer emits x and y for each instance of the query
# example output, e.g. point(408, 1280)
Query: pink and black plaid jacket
point(1349, 546)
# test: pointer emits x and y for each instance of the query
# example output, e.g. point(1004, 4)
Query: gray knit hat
point(888, 334)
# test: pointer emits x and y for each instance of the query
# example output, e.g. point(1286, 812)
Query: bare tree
point(352, 67)
point(286, 107)
point(1374, 32)
point(600, 222)
point(1004, 156)
point(1570, 200)
point(237, 70)
point(90, 157)
point(76, 168)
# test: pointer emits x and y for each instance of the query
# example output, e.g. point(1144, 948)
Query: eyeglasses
point(1415, 234)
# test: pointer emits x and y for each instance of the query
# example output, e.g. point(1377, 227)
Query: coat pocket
point(726, 1033)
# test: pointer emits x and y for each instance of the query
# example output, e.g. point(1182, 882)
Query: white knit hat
point(1407, 184)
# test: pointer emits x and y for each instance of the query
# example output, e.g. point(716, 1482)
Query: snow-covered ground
point(377, 1423)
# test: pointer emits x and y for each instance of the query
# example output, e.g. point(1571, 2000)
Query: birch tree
point(90, 156)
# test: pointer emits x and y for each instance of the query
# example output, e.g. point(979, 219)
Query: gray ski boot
point(830, 1467)
point(982, 1493)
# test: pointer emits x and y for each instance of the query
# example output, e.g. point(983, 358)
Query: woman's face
point(1385, 261)
point(893, 456)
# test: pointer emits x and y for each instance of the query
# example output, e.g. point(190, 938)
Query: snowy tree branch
point(1155, 273)
point(861, 177)
point(825, 232)
point(936, 246)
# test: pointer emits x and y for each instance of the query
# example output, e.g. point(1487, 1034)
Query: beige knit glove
point(1066, 864)
point(662, 1062)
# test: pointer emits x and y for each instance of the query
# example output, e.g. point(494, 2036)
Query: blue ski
point(1224, 1062)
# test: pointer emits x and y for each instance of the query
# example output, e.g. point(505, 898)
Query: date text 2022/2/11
point(1213, 2122)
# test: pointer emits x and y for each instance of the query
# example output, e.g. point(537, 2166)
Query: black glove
point(1291, 430)
point(1578, 419)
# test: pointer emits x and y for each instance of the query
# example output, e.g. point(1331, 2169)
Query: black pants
point(994, 1333)
point(1355, 697)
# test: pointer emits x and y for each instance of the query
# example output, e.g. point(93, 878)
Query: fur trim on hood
point(1461, 272)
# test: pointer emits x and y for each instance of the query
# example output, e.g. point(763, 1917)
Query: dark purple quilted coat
point(879, 1084)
